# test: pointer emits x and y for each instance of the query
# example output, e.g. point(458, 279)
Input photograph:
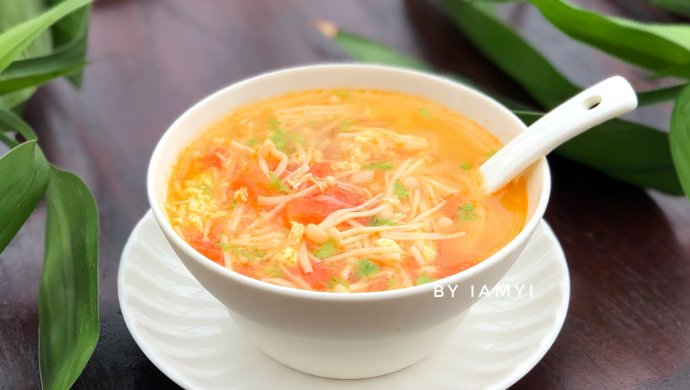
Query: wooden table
point(628, 250)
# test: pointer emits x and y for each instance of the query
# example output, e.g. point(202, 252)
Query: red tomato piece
point(378, 285)
point(319, 277)
point(309, 210)
point(256, 182)
point(314, 209)
point(451, 258)
point(212, 251)
point(450, 209)
point(321, 169)
point(350, 198)
point(213, 158)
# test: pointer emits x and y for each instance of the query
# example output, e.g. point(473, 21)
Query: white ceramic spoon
point(599, 103)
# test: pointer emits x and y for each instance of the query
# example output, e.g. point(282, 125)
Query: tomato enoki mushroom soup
point(342, 190)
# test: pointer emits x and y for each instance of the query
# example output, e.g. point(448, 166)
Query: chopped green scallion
point(424, 278)
point(378, 221)
point(400, 191)
point(366, 268)
point(379, 166)
point(332, 282)
point(425, 113)
point(328, 249)
point(278, 184)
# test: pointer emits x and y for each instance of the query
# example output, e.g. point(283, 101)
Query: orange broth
point(342, 190)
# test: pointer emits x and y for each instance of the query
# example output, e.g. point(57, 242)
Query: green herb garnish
point(283, 140)
point(274, 124)
point(466, 166)
point(332, 282)
point(274, 272)
point(466, 212)
point(425, 113)
point(277, 184)
point(250, 254)
point(391, 283)
point(378, 221)
point(467, 207)
point(345, 126)
point(379, 166)
point(206, 189)
point(366, 268)
point(253, 141)
point(328, 249)
point(232, 205)
point(343, 93)
point(424, 278)
point(400, 191)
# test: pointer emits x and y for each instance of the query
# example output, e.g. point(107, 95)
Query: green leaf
point(18, 12)
point(676, 70)
point(68, 295)
point(680, 138)
point(16, 39)
point(11, 122)
point(400, 191)
point(628, 151)
point(41, 66)
point(328, 249)
point(31, 80)
point(366, 268)
point(681, 7)
point(24, 175)
point(71, 34)
point(659, 95)
point(617, 148)
point(625, 150)
point(368, 51)
point(511, 53)
point(652, 46)
point(38, 70)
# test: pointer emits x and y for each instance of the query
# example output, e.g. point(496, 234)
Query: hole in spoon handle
point(591, 102)
point(595, 105)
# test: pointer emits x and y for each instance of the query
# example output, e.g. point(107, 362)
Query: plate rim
point(519, 372)
point(547, 342)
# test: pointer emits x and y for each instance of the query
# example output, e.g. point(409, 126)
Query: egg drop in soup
point(342, 190)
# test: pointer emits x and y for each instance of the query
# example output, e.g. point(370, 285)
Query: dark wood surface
point(628, 250)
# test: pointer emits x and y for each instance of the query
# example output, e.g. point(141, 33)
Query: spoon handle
point(599, 103)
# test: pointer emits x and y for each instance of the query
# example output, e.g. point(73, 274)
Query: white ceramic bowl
point(341, 335)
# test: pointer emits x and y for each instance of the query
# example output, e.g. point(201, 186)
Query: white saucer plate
point(191, 338)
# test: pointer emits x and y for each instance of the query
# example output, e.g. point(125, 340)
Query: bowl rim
point(247, 281)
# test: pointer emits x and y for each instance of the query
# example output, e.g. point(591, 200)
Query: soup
point(344, 191)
